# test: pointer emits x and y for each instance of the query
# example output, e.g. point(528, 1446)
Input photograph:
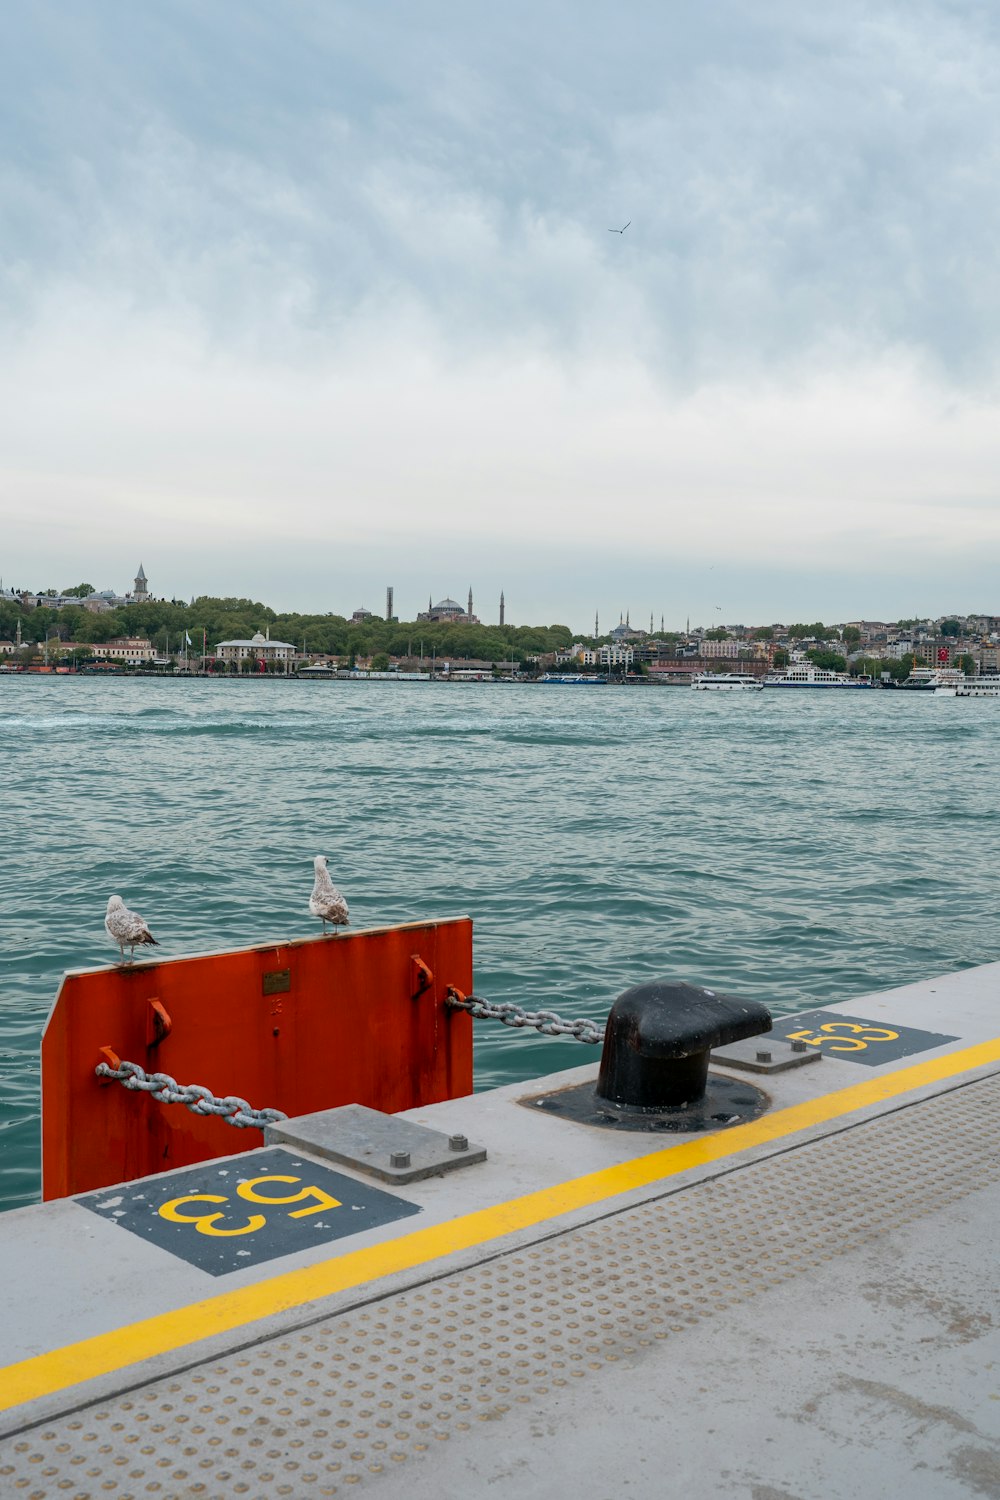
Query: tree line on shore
point(168, 622)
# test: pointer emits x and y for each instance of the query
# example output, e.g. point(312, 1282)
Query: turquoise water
point(799, 848)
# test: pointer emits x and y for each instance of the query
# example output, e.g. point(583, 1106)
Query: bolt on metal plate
point(763, 1054)
point(380, 1145)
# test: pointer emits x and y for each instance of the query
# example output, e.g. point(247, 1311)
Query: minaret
point(651, 622)
point(597, 629)
point(470, 601)
point(17, 634)
point(430, 603)
point(661, 625)
point(501, 606)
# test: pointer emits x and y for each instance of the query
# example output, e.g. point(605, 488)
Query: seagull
point(326, 902)
point(126, 928)
point(620, 231)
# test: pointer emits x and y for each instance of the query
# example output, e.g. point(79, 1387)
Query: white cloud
point(274, 280)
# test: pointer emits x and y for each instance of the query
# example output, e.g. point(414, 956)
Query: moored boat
point(933, 679)
point(720, 682)
point(575, 679)
point(972, 687)
point(808, 675)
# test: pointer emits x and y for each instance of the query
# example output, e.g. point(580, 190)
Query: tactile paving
point(327, 1409)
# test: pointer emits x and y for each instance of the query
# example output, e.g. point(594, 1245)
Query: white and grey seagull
point(126, 928)
point(621, 230)
point(326, 902)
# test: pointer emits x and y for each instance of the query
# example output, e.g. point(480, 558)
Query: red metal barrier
point(300, 1026)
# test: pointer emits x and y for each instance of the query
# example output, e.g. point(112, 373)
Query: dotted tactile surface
point(327, 1409)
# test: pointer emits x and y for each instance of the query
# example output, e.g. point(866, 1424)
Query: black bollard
point(659, 1039)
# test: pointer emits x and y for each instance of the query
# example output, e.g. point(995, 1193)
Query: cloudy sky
point(300, 300)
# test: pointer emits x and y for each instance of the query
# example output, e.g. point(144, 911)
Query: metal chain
point(199, 1100)
point(545, 1021)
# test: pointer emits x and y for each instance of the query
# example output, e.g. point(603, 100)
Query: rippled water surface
point(799, 848)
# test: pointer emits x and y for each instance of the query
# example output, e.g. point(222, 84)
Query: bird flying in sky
point(126, 928)
point(326, 902)
point(620, 231)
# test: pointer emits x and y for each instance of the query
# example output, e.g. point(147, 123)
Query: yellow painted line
point(105, 1353)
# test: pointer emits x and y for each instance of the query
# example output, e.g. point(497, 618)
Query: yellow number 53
point(832, 1032)
point(208, 1223)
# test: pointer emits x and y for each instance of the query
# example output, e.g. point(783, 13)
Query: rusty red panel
point(296, 1026)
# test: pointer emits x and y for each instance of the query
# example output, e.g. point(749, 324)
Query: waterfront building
point(131, 649)
point(258, 648)
point(679, 670)
point(720, 648)
point(682, 669)
point(614, 655)
point(466, 666)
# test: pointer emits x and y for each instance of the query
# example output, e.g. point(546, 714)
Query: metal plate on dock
point(228, 1215)
point(376, 1143)
point(852, 1039)
point(761, 1054)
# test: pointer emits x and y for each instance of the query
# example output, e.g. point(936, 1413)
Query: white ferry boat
point(807, 675)
point(720, 682)
point(934, 679)
point(971, 687)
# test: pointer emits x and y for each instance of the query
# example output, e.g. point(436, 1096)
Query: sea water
point(797, 848)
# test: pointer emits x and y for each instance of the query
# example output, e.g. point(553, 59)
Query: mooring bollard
point(659, 1038)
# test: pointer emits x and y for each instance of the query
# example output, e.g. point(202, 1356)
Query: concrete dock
point(799, 1307)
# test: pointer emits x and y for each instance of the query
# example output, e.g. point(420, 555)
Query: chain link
point(199, 1100)
point(545, 1021)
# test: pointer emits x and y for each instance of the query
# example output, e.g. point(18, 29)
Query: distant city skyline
point(660, 620)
